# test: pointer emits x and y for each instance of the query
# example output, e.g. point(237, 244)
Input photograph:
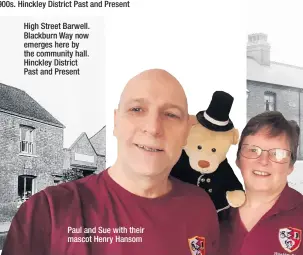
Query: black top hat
point(216, 117)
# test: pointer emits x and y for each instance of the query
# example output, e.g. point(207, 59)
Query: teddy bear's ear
point(235, 136)
point(193, 120)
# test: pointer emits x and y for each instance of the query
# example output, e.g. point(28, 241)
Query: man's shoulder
point(188, 190)
point(196, 198)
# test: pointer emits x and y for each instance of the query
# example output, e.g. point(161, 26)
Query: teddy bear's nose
point(203, 163)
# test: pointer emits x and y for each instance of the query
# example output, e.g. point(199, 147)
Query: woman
point(271, 220)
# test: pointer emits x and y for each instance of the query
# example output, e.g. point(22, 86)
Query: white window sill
point(27, 155)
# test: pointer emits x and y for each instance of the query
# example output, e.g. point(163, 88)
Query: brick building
point(86, 155)
point(98, 141)
point(272, 85)
point(31, 145)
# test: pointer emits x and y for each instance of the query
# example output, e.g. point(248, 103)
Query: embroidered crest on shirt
point(290, 238)
point(197, 245)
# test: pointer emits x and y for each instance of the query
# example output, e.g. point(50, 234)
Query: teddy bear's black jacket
point(215, 184)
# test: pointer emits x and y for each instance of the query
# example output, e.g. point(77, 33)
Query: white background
point(282, 21)
point(204, 47)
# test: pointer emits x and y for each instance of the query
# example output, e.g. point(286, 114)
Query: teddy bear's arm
point(235, 193)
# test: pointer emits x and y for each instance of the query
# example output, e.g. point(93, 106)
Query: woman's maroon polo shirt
point(279, 232)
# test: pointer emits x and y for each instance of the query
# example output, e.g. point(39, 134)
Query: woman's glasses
point(276, 155)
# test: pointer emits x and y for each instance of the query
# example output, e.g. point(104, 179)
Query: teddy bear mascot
point(203, 160)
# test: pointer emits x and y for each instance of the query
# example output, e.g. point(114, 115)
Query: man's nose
point(264, 158)
point(153, 124)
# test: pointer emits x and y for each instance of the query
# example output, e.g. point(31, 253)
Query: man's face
point(151, 126)
point(262, 174)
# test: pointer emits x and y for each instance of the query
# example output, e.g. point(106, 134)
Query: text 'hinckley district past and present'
point(69, 4)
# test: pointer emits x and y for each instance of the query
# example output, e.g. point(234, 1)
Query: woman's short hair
point(276, 124)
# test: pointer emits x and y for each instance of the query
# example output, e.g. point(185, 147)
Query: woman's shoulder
point(291, 201)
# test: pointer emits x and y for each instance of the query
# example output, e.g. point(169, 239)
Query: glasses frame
point(268, 153)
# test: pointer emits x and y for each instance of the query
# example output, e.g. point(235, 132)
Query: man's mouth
point(261, 173)
point(147, 148)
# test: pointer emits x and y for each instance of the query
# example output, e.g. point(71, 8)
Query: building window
point(57, 179)
point(57, 182)
point(27, 139)
point(87, 173)
point(270, 101)
point(26, 186)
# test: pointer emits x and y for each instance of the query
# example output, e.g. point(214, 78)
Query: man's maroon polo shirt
point(96, 216)
point(279, 232)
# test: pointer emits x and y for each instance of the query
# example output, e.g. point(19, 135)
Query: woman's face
point(263, 174)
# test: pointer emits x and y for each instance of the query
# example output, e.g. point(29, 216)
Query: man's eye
point(171, 115)
point(136, 109)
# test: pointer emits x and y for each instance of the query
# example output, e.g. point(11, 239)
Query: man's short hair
point(276, 124)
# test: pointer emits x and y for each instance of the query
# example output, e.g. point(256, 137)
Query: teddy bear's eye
point(213, 150)
point(199, 147)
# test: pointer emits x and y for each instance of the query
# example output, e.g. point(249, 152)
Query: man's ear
point(115, 122)
point(192, 120)
point(188, 128)
point(235, 138)
point(187, 134)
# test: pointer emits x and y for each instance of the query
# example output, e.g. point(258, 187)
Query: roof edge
point(277, 63)
point(31, 118)
point(74, 143)
point(79, 137)
point(276, 84)
point(288, 65)
point(57, 123)
point(98, 132)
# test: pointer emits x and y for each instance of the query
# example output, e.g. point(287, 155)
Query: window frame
point(33, 186)
point(266, 102)
point(27, 146)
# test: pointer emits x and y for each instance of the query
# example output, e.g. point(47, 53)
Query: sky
point(282, 22)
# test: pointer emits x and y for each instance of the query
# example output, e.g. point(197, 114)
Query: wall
point(47, 160)
point(288, 102)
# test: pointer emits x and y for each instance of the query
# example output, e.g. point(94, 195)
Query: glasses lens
point(280, 155)
point(250, 151)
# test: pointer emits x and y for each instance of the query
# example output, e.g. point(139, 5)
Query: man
point(133, 207)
